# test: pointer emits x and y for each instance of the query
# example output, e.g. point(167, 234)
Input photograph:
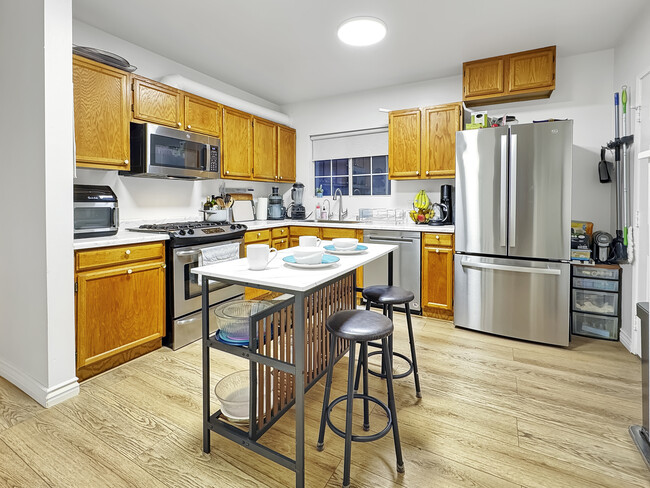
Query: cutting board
point(242, 211)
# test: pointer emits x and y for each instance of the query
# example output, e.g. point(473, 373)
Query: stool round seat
point(359, 325)
point(387, 294)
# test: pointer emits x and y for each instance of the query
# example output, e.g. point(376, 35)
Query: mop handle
point(616, 131)
point(624, 100)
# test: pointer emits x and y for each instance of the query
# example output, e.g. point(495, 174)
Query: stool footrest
point(395, 376)
point(359, 438)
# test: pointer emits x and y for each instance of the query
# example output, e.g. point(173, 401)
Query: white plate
point(358, 250)
point(328, 261)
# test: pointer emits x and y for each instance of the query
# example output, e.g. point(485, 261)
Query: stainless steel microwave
point(163, 152)
point(96, 213)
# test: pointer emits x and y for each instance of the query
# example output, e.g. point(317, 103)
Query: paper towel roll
point(261, 209)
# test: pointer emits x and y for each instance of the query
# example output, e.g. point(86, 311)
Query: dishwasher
point(406, 263)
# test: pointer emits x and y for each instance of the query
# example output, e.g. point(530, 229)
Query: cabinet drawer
point(304, 231)
point(280, 232)
point(605, 285)
point(330, 233)
point(595, 326)
point(593, 272)
point(595, 302)
point(111, 256)
point(446, 240)
point(257, 235)
point(280, 243)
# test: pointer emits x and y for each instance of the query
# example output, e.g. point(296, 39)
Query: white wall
point(632, 59)
point(36, 299)
point(583, 93)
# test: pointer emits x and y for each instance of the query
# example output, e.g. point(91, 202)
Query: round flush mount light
point(362, 31)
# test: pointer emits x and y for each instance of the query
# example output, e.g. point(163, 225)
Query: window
point(354, 162)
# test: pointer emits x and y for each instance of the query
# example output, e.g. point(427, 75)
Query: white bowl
point(345, 243)
point(308, 255)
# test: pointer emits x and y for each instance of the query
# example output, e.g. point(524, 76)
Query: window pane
point(322, 168)
point(380, 185)
point(361, 185)
point(342, 183)
point(327, 188)
point(361, 166)
point(379, 164)
point(339, 166)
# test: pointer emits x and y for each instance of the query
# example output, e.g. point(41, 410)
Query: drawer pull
point(163, 266)
point(437, 251)
point(438, 237)
point(126, 161)
point(129, 271)
point(178, 124)
point(127, 252)
point(189, 126)
point(259, 234)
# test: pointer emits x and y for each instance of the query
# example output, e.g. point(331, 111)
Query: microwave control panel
point(214, 158)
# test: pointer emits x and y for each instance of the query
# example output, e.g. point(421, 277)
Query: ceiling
point(286, 51)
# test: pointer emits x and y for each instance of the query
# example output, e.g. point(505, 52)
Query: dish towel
point(218, 254)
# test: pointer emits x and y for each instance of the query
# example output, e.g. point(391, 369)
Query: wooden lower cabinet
point(120, 306)
point(438, 275)
point(260, 236)
point(329, 233)
point(296, 231)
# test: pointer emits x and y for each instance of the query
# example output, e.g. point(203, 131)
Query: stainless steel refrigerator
point(513, 231)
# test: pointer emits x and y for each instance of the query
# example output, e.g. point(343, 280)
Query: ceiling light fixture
point(362, 31)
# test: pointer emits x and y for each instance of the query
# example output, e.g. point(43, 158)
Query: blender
point(296, 210)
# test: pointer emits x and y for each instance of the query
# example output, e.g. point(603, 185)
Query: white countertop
point(281, 276)
point(122, 237)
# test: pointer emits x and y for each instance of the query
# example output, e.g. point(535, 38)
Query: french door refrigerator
point(513, 231)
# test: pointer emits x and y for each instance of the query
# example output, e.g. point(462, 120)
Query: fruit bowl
point(421, 216)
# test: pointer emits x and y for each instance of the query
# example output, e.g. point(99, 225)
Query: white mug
point(258, 255)
point(308, 241)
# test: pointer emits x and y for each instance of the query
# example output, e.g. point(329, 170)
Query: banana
point(421, 200)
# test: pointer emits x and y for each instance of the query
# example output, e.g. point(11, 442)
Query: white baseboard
point(628, 342)
point(47, 397)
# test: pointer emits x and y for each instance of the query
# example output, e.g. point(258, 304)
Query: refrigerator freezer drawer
point(513, 297)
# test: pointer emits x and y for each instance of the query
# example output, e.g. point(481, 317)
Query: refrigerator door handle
point(516, 269)
point(512, 232)
point(504, 189)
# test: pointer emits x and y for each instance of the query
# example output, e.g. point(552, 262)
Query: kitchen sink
point(336, 221)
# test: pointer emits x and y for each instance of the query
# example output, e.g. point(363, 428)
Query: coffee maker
point(443, 211)
point(296, 210)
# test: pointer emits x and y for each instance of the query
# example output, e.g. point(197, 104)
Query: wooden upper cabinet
point(532, 70)
point(527, 75)
point(156, 103)
point(439, 126)
point(265, 144)
point(404, 144)
point(202, 115)
point(101, 115)
point(286, 160)
point(483, 78)
point(236, 144)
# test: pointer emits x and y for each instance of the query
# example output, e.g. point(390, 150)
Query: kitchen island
point(316, 293)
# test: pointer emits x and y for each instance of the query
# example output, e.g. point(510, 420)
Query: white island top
point(280, 276)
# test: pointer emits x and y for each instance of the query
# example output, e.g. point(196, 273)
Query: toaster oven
point(96, 213)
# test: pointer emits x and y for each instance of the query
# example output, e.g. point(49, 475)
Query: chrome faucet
point(342, 213)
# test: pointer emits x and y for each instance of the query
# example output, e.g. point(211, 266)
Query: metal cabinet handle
point(437, 251)
point(129, 271)
point(427, 172)
point(126, 161)
point(163, 266)
point(438, 237)
point(259, 234)
point(227, 172)
point(512, 231)
point(280, 177)
point(417, 172)
point(504, 195)
point(178, 124)
point(276, 177)
point(189, 126)
point(127, 252)
point(187, 253)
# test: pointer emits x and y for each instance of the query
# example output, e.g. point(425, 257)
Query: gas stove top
point(188, 233)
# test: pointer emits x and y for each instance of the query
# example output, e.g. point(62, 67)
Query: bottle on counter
point(208, 204)
point(317, 213)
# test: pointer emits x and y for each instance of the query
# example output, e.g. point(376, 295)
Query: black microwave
point(163, 152)
point(96, 213)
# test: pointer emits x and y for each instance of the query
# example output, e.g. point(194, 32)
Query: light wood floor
point(494, 413)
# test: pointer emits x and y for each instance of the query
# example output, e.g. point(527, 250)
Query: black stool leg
point(391, 406)
point(413, 357)
point(348, 418)
point(366, 414)
point(390, 337)
point(363, 359)
point(326, 399)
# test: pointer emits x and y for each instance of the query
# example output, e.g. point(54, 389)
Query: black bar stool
point(388, 296)
point(359, 326)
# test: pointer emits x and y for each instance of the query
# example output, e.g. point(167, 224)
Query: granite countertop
point(124, 236)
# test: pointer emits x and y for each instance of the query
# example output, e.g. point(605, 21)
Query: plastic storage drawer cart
point(595, 301)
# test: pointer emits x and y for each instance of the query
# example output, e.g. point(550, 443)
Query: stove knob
point(190, 231)
point(233, 226)
point(239, 226)
point(181, 232)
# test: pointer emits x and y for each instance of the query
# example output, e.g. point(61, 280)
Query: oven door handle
point(188, 253)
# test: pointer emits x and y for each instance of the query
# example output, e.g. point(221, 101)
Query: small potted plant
point(319, 191)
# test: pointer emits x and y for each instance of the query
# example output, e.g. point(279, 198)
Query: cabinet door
point(101, 115)
point(156, 103)
point(265, 146)
point(439, 140)
point(286, 170)
point(404, 144)
point(202, 115)
point(483, 78)
point(236, 144)
point(532, 70)
point(118, 309)
point(437, 279)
